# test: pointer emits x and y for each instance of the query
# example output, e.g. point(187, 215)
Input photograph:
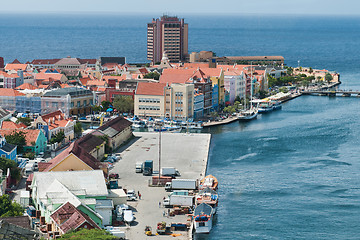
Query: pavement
point(186, 152)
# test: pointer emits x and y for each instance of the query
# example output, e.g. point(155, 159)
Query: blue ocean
point(290, 174)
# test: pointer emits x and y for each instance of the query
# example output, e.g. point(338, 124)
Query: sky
point(205, 7)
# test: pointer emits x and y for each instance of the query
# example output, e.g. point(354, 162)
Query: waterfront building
point(81, 100)
point(198, 104)
point(182, 101)
point(168, 34)
point(197, 77)
point(159, 100)
point(235, 84)
point(149, 100)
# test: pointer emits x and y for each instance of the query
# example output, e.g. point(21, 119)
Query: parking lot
point(186, 152)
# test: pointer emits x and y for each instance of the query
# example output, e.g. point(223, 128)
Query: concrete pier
point(186, 152)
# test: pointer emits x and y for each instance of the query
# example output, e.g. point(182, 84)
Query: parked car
point(131, 195)
point(114, 175)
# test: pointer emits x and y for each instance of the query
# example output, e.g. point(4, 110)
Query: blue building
point(7, 150)
point(198, 105)
point(215, 97)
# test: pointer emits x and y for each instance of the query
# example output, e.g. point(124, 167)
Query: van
point(138, 167)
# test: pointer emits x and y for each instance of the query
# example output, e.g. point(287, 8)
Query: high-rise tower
point(168, 34)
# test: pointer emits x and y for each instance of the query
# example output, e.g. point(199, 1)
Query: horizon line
point(217, 14)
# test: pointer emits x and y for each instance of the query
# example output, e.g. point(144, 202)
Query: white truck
point(181, 184)
point(169, 171)
point(179, 200)
point(139, 167)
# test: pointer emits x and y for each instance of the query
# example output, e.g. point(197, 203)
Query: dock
point(186, 152)
point(220, 122)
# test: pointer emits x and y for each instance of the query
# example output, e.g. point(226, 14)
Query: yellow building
point(182, 101)
point(73, 158)
point(217, 78)
point(159, 100)
point(149, 99)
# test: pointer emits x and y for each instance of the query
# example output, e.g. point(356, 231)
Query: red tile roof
point(68, 218)
point(10, 92)
point(45, 76)
point(31, 135)
point(117, 78)
point(84, 80)
point(44, 61)
point(78, 151)
point(145, 88)
point(16, 66)
point(26, 86)
point(12, 125)
point(95, 83)
point(172, 75)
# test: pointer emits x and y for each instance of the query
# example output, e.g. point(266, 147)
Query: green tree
point(124, 104)
point(24, 120)
point(328, 77)
point(105, 105)
point(85, 234)
point(8, 208)
point(57, 138)
point(283, 89)
point(14, 170)
point(78, 128)
point(96, 108)
point(262, 94)
point(29, 155)
point(152, 75)
point(311, 70)
point(17, 138)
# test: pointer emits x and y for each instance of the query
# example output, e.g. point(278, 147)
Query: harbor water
point(290, 174)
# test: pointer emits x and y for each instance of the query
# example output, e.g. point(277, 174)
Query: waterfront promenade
point(186, 152)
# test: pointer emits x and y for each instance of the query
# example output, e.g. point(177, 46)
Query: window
point(72, 104)
point(85, 102)
point(78, 104)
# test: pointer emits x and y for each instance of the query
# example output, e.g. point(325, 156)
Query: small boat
point(265, 107)
point(208, 196)
point(138, 124)
point(247, 115)
point(208, 182)
point(128, 216)
point(203, 217)
point(276, 105)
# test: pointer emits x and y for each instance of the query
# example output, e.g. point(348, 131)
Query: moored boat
point(208, 182)
point(203, 217)
point(247, 115)
point(208, 196)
